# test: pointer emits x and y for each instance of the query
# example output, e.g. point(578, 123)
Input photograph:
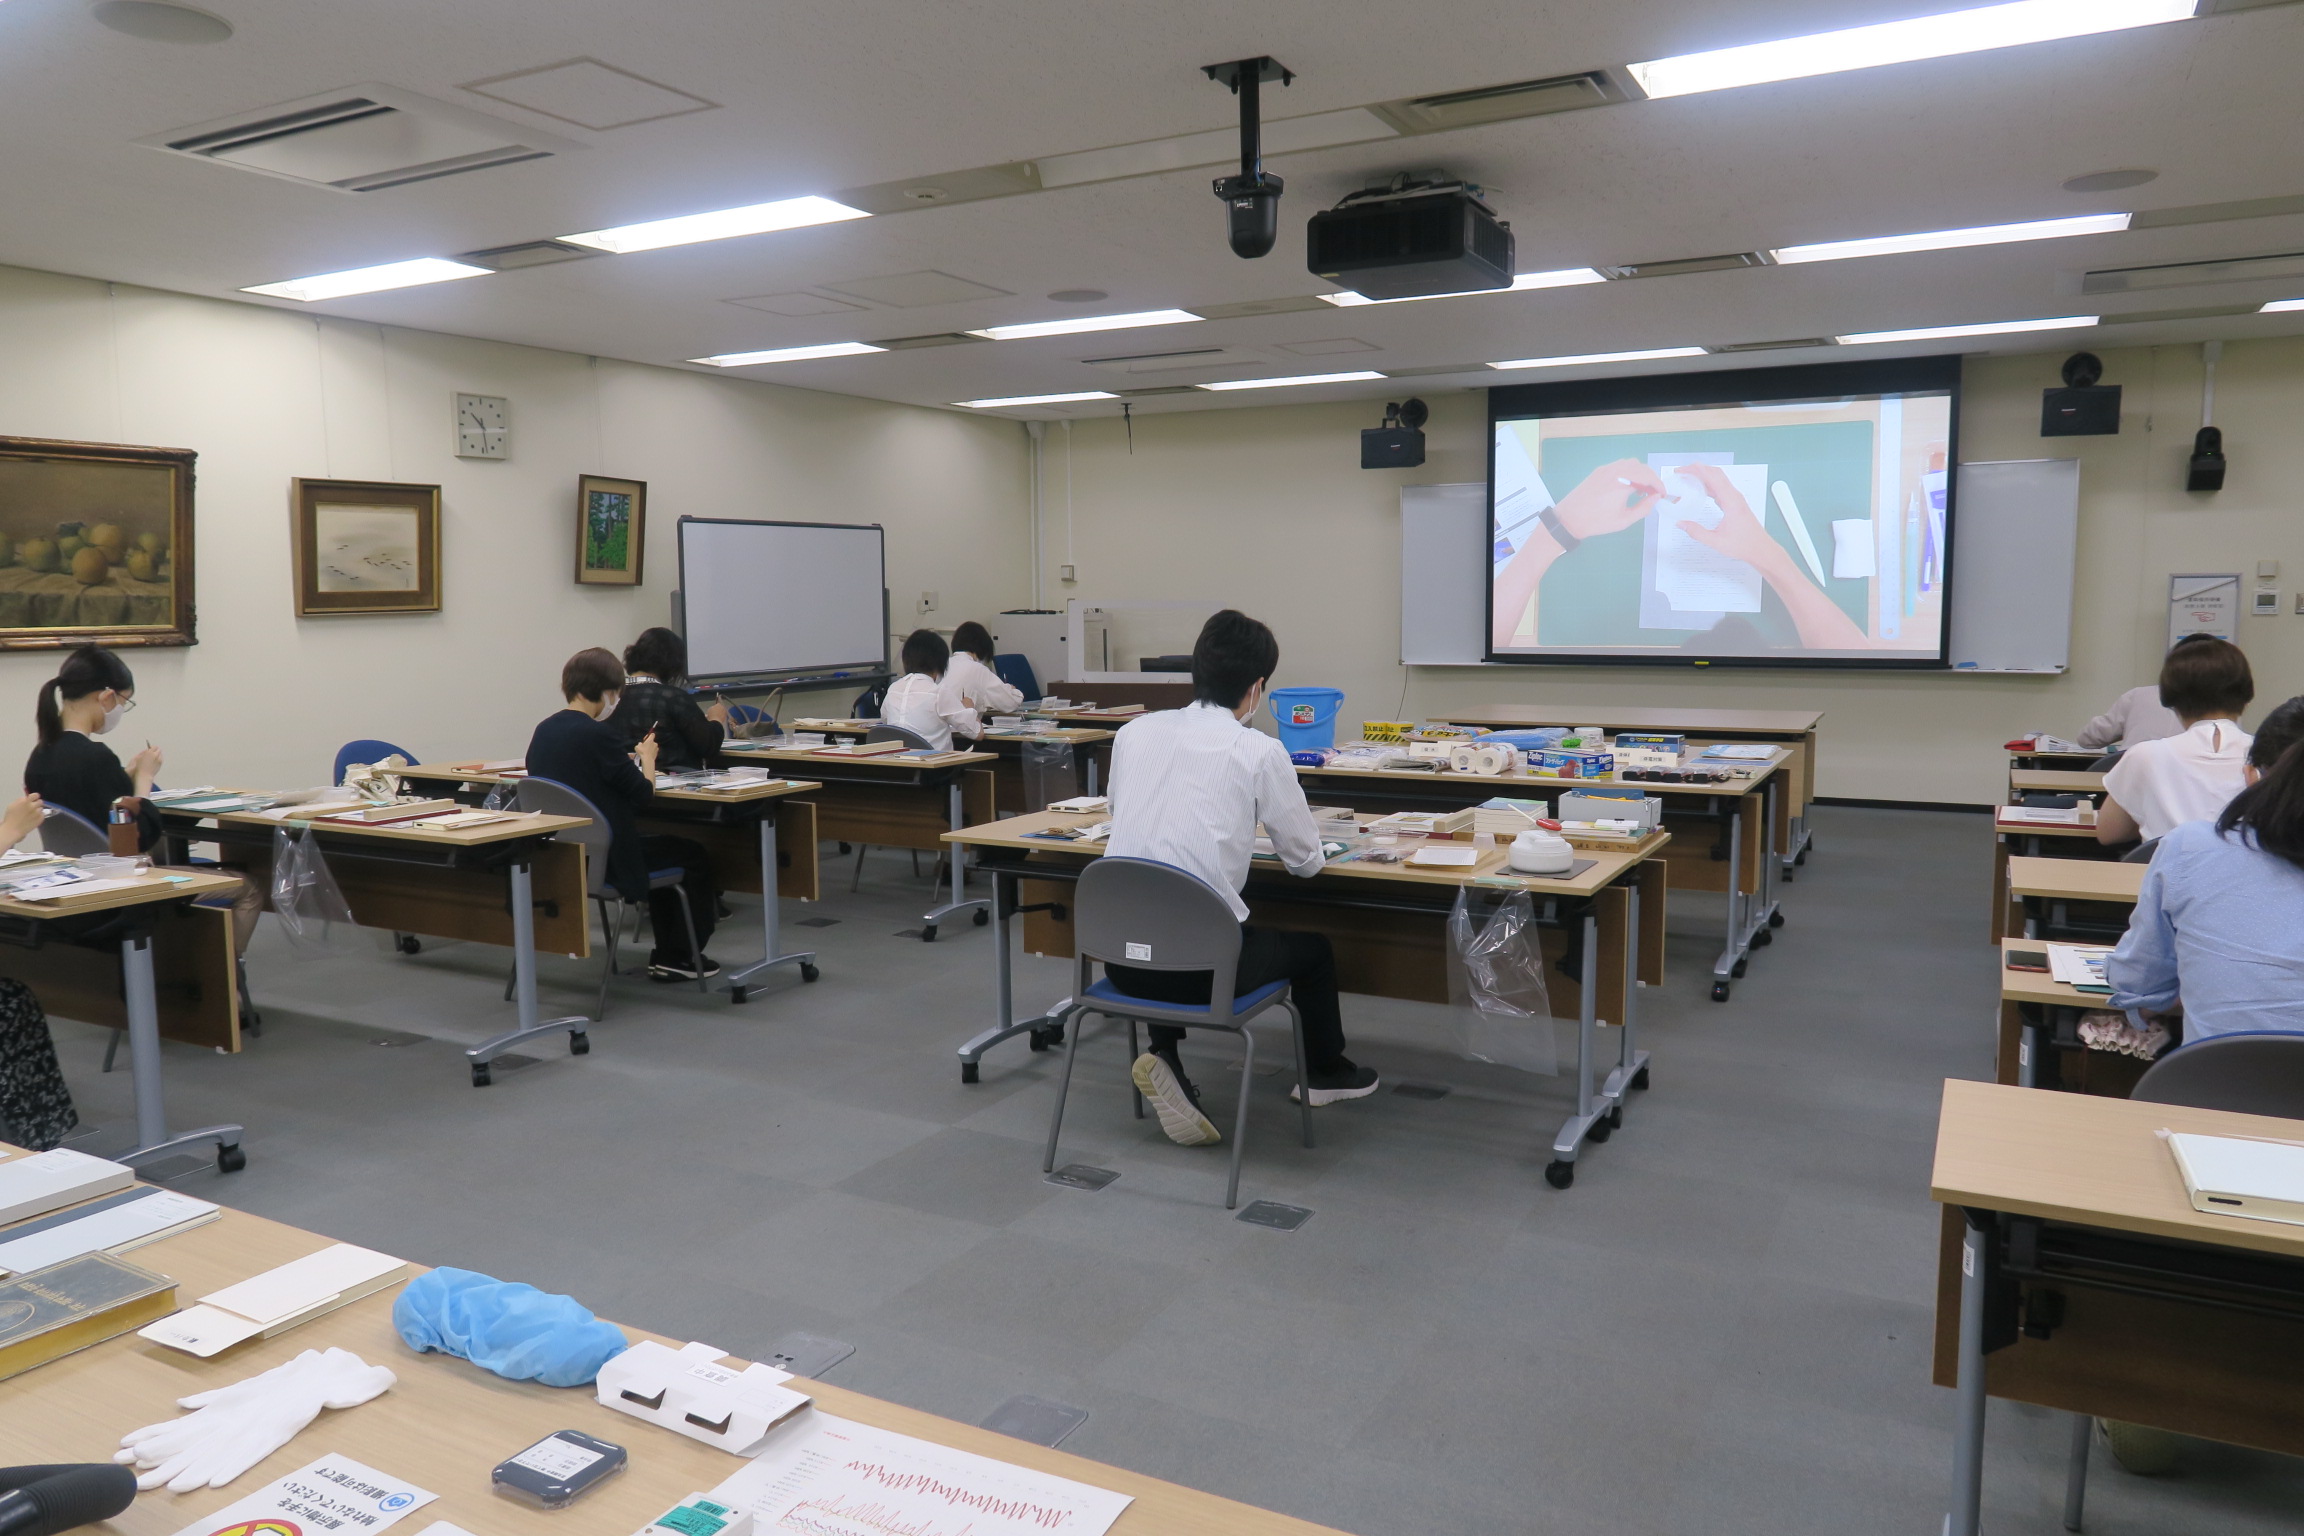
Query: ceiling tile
point(916, 290)
point(590, 94)
point(797, 304)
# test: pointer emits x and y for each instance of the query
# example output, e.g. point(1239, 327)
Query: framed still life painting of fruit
point(95, 544)
point(611, 530)
point(366, 546)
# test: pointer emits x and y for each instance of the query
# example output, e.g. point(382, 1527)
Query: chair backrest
point(556, 799)
point(867, 705)
point(2104, 763)
point(912, 739)
point(73, 835)
point(2141, 853)
point(2256, 1074)
point(370, 752)
point(1015, 669)
point(749, 714)
point(1157, 917)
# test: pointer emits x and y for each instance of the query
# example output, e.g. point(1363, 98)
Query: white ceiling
point(819, 95)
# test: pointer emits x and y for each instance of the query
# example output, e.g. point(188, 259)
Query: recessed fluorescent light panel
point(1900, 42)
point(2281, 306)
point(1954, 239)
point(393, 274)
point(1307, 378)
point(1086, 323)
point(688, 229)
point(1997, 328)
point(1521, 284)
point(1602, 357)
point(789, 354)
point(1078, 394)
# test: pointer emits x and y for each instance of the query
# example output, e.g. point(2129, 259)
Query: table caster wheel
point(1737, 970)
point(1601, 1130)
point(1036, 1040)
point(968, 1072)
point(579, 1043)
point(407, 943)
point(1049, 1038)
point(1763, 938)
point(808, 971)
point(739, 994)
point(1559, 1175)
point(928, 934)
point(480, 1077)
point(982, 917)
point(229, 1157)
point(1775, 919)
point(1616, 1117)
point(1640, 1078)
point(1802, 856)
point(1719, 991)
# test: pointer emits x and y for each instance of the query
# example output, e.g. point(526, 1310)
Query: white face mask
point(112, 718)
point(608, 703)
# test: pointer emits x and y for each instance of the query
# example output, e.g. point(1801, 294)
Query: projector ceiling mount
point(1252, 198)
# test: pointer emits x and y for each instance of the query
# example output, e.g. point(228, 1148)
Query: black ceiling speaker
point(1399, 443)
point(2207, 469)
point(2082, 408)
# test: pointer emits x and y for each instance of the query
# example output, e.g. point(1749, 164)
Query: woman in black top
point(70, 767)
point(655, 667)
point(86, 699)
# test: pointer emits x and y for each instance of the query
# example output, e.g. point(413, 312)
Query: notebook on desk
point(2242, 1176)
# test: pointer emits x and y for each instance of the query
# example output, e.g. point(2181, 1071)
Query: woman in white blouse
point(971, 671)
point(925, 700)
point(2158, 786)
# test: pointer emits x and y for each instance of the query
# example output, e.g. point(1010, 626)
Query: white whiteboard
point(2015, 535)
point(760, 599)
point(1443, 544)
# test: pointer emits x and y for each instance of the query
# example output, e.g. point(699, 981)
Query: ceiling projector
point(1410, 240)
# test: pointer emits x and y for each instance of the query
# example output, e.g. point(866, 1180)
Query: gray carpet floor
point(1723, 1327)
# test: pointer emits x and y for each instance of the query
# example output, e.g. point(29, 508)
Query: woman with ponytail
point(88, 697)
point(2219, 924)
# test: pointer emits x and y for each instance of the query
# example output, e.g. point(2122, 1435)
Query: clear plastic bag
point(313, 915)
point(1500, 1009)
point(1050, 773)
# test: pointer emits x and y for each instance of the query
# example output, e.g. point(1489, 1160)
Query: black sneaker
point(684, 970)
point(1345, 1082)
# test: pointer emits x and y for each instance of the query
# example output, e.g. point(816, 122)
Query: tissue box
point(689, 1392)
point(1672, 742)
point(1643, 809)
point(1571, 763)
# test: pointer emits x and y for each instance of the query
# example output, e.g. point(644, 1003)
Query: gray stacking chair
point(2245, 1074)
point(1156, 917)
point(556, 799)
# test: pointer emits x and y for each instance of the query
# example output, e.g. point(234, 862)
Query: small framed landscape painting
point(611, 530)
point(95, 544)
point(365, 546)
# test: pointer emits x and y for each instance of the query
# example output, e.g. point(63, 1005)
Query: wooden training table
point(1389, 927)
point(447, 1421)
point(2075, 1274)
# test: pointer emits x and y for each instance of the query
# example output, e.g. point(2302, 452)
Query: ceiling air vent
point(1785, 345)
point(2187, 274)
point(533, 253)
point(363, 139)
point(1501, 103)
point(1175, 362)
point(933, 339)
point(1687, 264)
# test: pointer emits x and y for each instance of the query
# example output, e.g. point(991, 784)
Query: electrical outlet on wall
point(927, 602)
point(1066, 573)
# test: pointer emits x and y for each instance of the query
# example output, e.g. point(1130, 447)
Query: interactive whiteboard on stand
point(782, 602)
point(2016, 537)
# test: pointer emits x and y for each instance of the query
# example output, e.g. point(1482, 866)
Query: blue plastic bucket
point(1306, 717)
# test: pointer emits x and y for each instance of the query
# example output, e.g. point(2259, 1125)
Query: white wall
point(1268, 510)
point(264, 396)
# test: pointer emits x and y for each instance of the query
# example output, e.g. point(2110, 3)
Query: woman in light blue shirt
point(2219, 924)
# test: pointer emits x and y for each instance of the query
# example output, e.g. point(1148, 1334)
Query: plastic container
point(1306, 717)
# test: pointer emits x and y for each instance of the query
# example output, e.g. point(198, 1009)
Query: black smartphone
point(2028, 960)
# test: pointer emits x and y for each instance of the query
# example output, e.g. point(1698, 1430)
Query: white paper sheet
point(114, 1229)
point(301, 1284)
point(825, 1476)
point(1693, 576)
point(1852, 558)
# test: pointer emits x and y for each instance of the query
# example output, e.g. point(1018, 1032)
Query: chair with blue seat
point(866, 705)
point(1156, 917)
point(1015, 669)
point(369, 751)
point(68, 834)
point(750, 720)
point(554, 798)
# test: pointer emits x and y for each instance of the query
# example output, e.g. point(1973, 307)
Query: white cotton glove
point(232, 1428)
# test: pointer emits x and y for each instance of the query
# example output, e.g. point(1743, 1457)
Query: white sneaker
point(1334, 1088)
point(1179, 1116)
